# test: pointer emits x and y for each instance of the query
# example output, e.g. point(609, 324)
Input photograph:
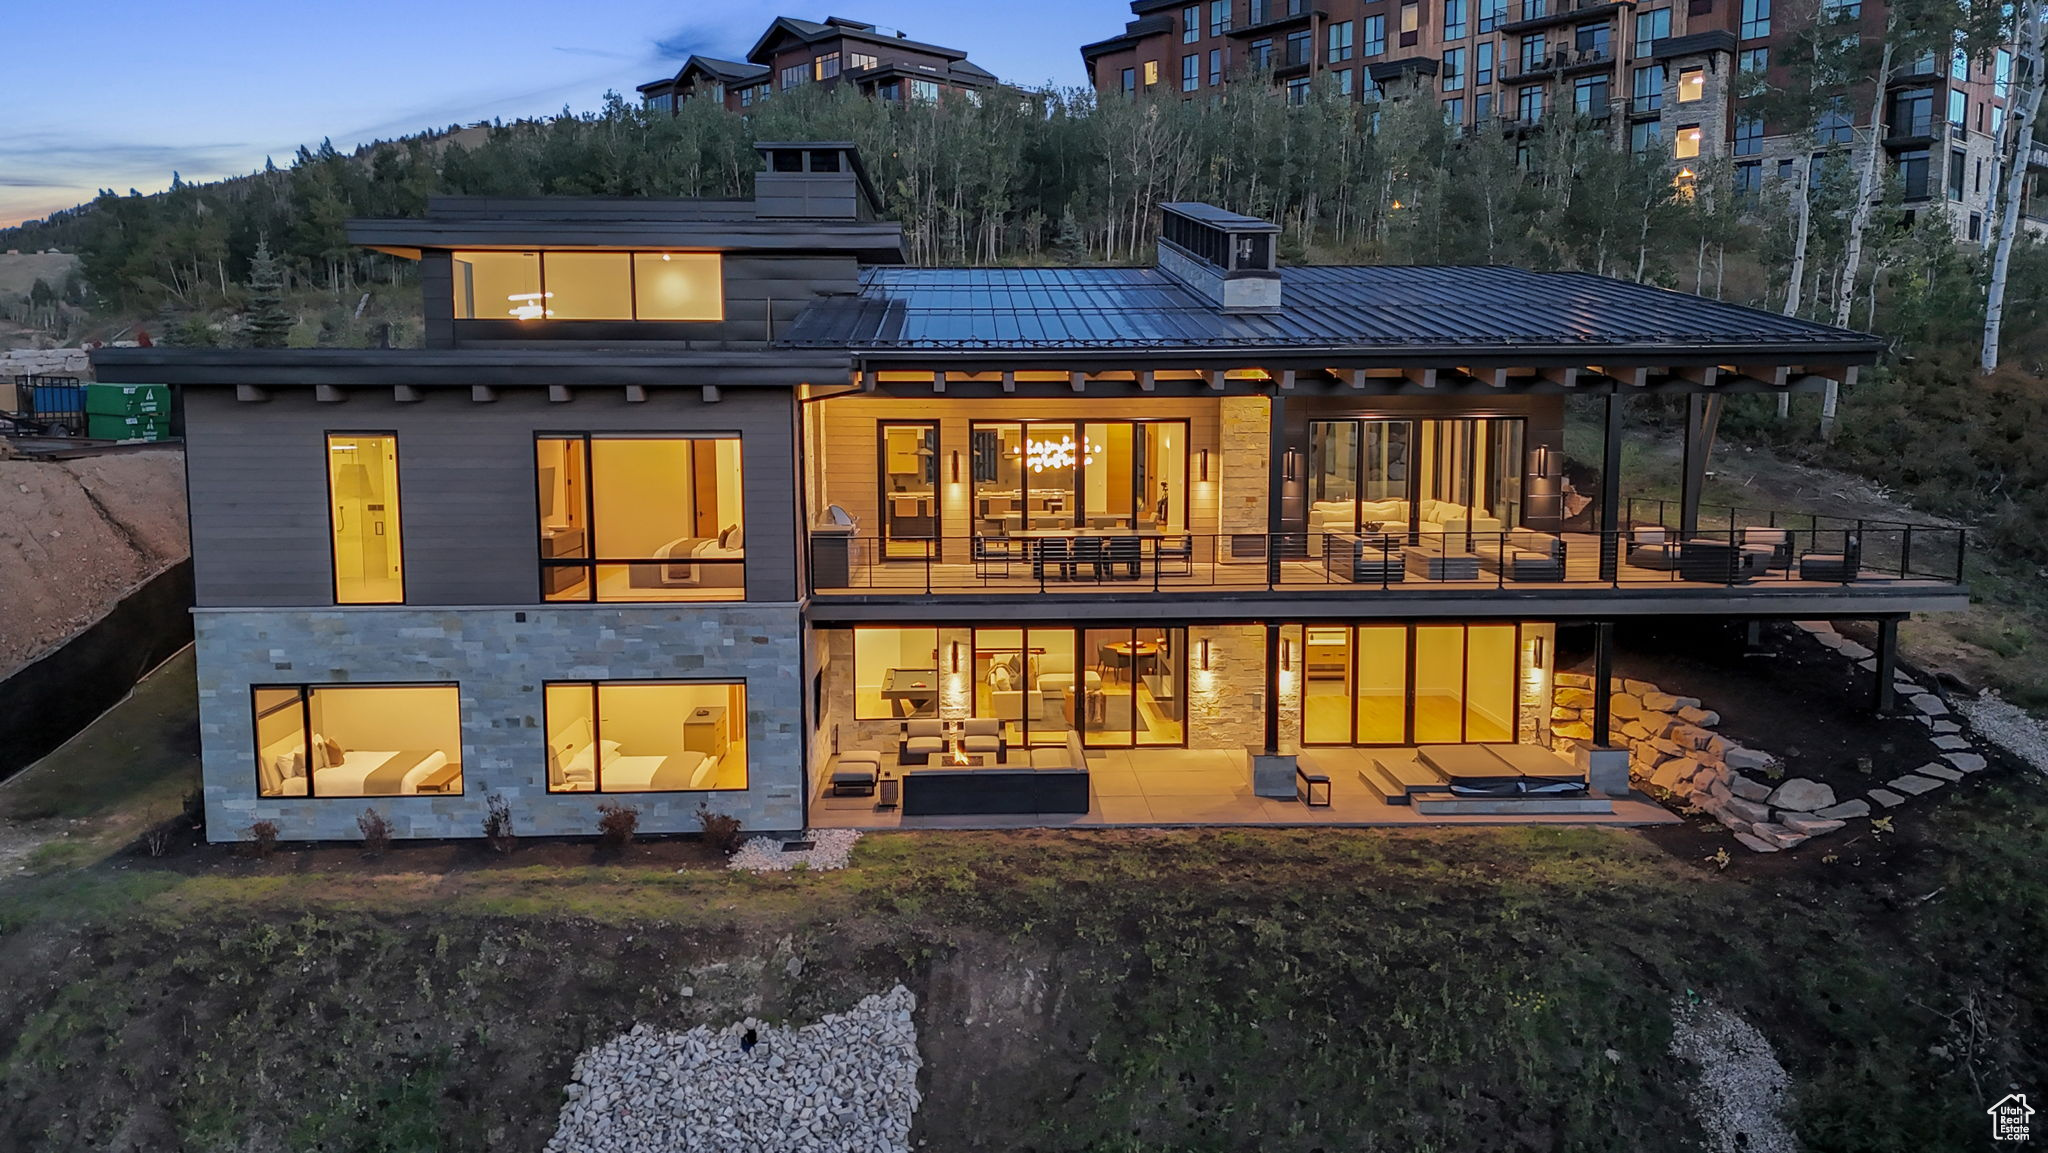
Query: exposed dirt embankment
point(76, 536)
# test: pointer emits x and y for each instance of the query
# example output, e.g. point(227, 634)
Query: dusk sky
point(210, 89)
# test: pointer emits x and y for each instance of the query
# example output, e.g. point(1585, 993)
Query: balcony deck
point(1916, 573)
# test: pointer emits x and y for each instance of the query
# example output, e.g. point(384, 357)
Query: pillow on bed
point(319, 746)
point(334, 754)
point(582, 761)
point(706, 775)
point(735, 537)
point(267, 778)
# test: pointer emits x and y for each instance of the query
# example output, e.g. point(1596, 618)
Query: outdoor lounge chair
point(854, 773)
point(1719, 562)
point(1652, 547)
point(992, 556)
point(1778, 540)
point(1835, 567)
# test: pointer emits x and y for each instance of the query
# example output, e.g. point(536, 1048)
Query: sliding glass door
point(1140, 700)
point(1035, 475)
point(1411, 684)
point(1119, 688)
point(1428, 476)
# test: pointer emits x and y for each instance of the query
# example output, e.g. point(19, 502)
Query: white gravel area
point(1740, 1093)
point(831, 849)
point(847, 1083)
point(2009, 727)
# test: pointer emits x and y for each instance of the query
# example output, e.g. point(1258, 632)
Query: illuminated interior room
point(358, 741)
point(626, 519)
point(362, 483)
point(646, 737)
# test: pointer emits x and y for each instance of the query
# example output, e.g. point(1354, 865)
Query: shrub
point(262, 839)
point(376, 832)
point(616, 824)
point(721, 832)
point(498, 823)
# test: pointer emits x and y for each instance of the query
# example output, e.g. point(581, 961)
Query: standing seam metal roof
point(1027, 309)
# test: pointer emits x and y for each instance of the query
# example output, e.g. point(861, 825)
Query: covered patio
point(1173, 788)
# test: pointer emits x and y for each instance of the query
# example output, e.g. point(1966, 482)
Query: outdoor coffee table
point(1447, 565)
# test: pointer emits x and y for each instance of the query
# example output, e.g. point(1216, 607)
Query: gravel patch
point(2009, 727)
point(830, 849)
point(1741, 1088)
point(847, 1083)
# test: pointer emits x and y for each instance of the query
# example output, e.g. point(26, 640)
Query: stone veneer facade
point(500, 658)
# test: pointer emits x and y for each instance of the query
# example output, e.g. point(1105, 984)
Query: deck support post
point(1603, 684)
point(1272, 690)
point(1610, 494)
point(1702, 424)
point(1886, 696)
point(1276, 459)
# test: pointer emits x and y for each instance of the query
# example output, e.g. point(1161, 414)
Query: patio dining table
point(1123, 547)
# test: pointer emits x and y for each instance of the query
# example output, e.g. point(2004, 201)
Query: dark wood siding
point(466, 487)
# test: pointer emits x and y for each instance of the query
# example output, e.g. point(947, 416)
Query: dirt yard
point(76, 536)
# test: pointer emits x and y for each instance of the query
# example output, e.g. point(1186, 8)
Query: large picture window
point(646, 737)
point(895, 674)
point(641, 518)
point(1425, 476)
point(1419, 684)
point(362, 511)
point(358, 740)
point(589, 286)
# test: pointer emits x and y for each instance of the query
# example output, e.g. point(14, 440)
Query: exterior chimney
point(1230, 259)
point(813, 181)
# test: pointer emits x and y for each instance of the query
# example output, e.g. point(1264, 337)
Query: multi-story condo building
point(796, 53)
point(715, 503)
point(1661, 76)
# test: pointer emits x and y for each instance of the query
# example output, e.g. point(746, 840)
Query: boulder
point(1668, 748)
point(1660, 702)
point(1854, 651)
point(1669, 775)
point(1801, 795)
point(1747, 789)
point(1755, 844)
point(1638, 688)
point(1695, 715)
point(1624, 705)
point(1746, 810)
point(1845, 810)
point(1689, 736)
point(1565, 714)
point(1574, 698)
point(1737, 757)
point(1685, 702)
point(1573, 680)
point(1573, 731)
point(1810, 824)
point(1815, 627)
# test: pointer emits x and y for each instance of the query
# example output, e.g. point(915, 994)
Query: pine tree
point(1068, 244)
point(269, 324)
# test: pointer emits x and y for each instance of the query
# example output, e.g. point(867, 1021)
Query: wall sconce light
point(1204, 654)
point(1539, 652)
point(956, 466)
point(1205, 464)
point(1543, 460)
point(1287, 655)
point(954, 652)
point(1290, 465)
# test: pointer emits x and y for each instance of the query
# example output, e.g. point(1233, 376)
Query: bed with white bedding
point(359, 773)
point(573, 760)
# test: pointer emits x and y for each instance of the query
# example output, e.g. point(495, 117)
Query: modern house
point(715, 503)
point(1661, 77)
point(796, 53)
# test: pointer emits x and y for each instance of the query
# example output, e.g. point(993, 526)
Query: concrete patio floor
point(1179, 788)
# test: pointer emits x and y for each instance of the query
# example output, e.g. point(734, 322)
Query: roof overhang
point(872, 243)
point(525, 367)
